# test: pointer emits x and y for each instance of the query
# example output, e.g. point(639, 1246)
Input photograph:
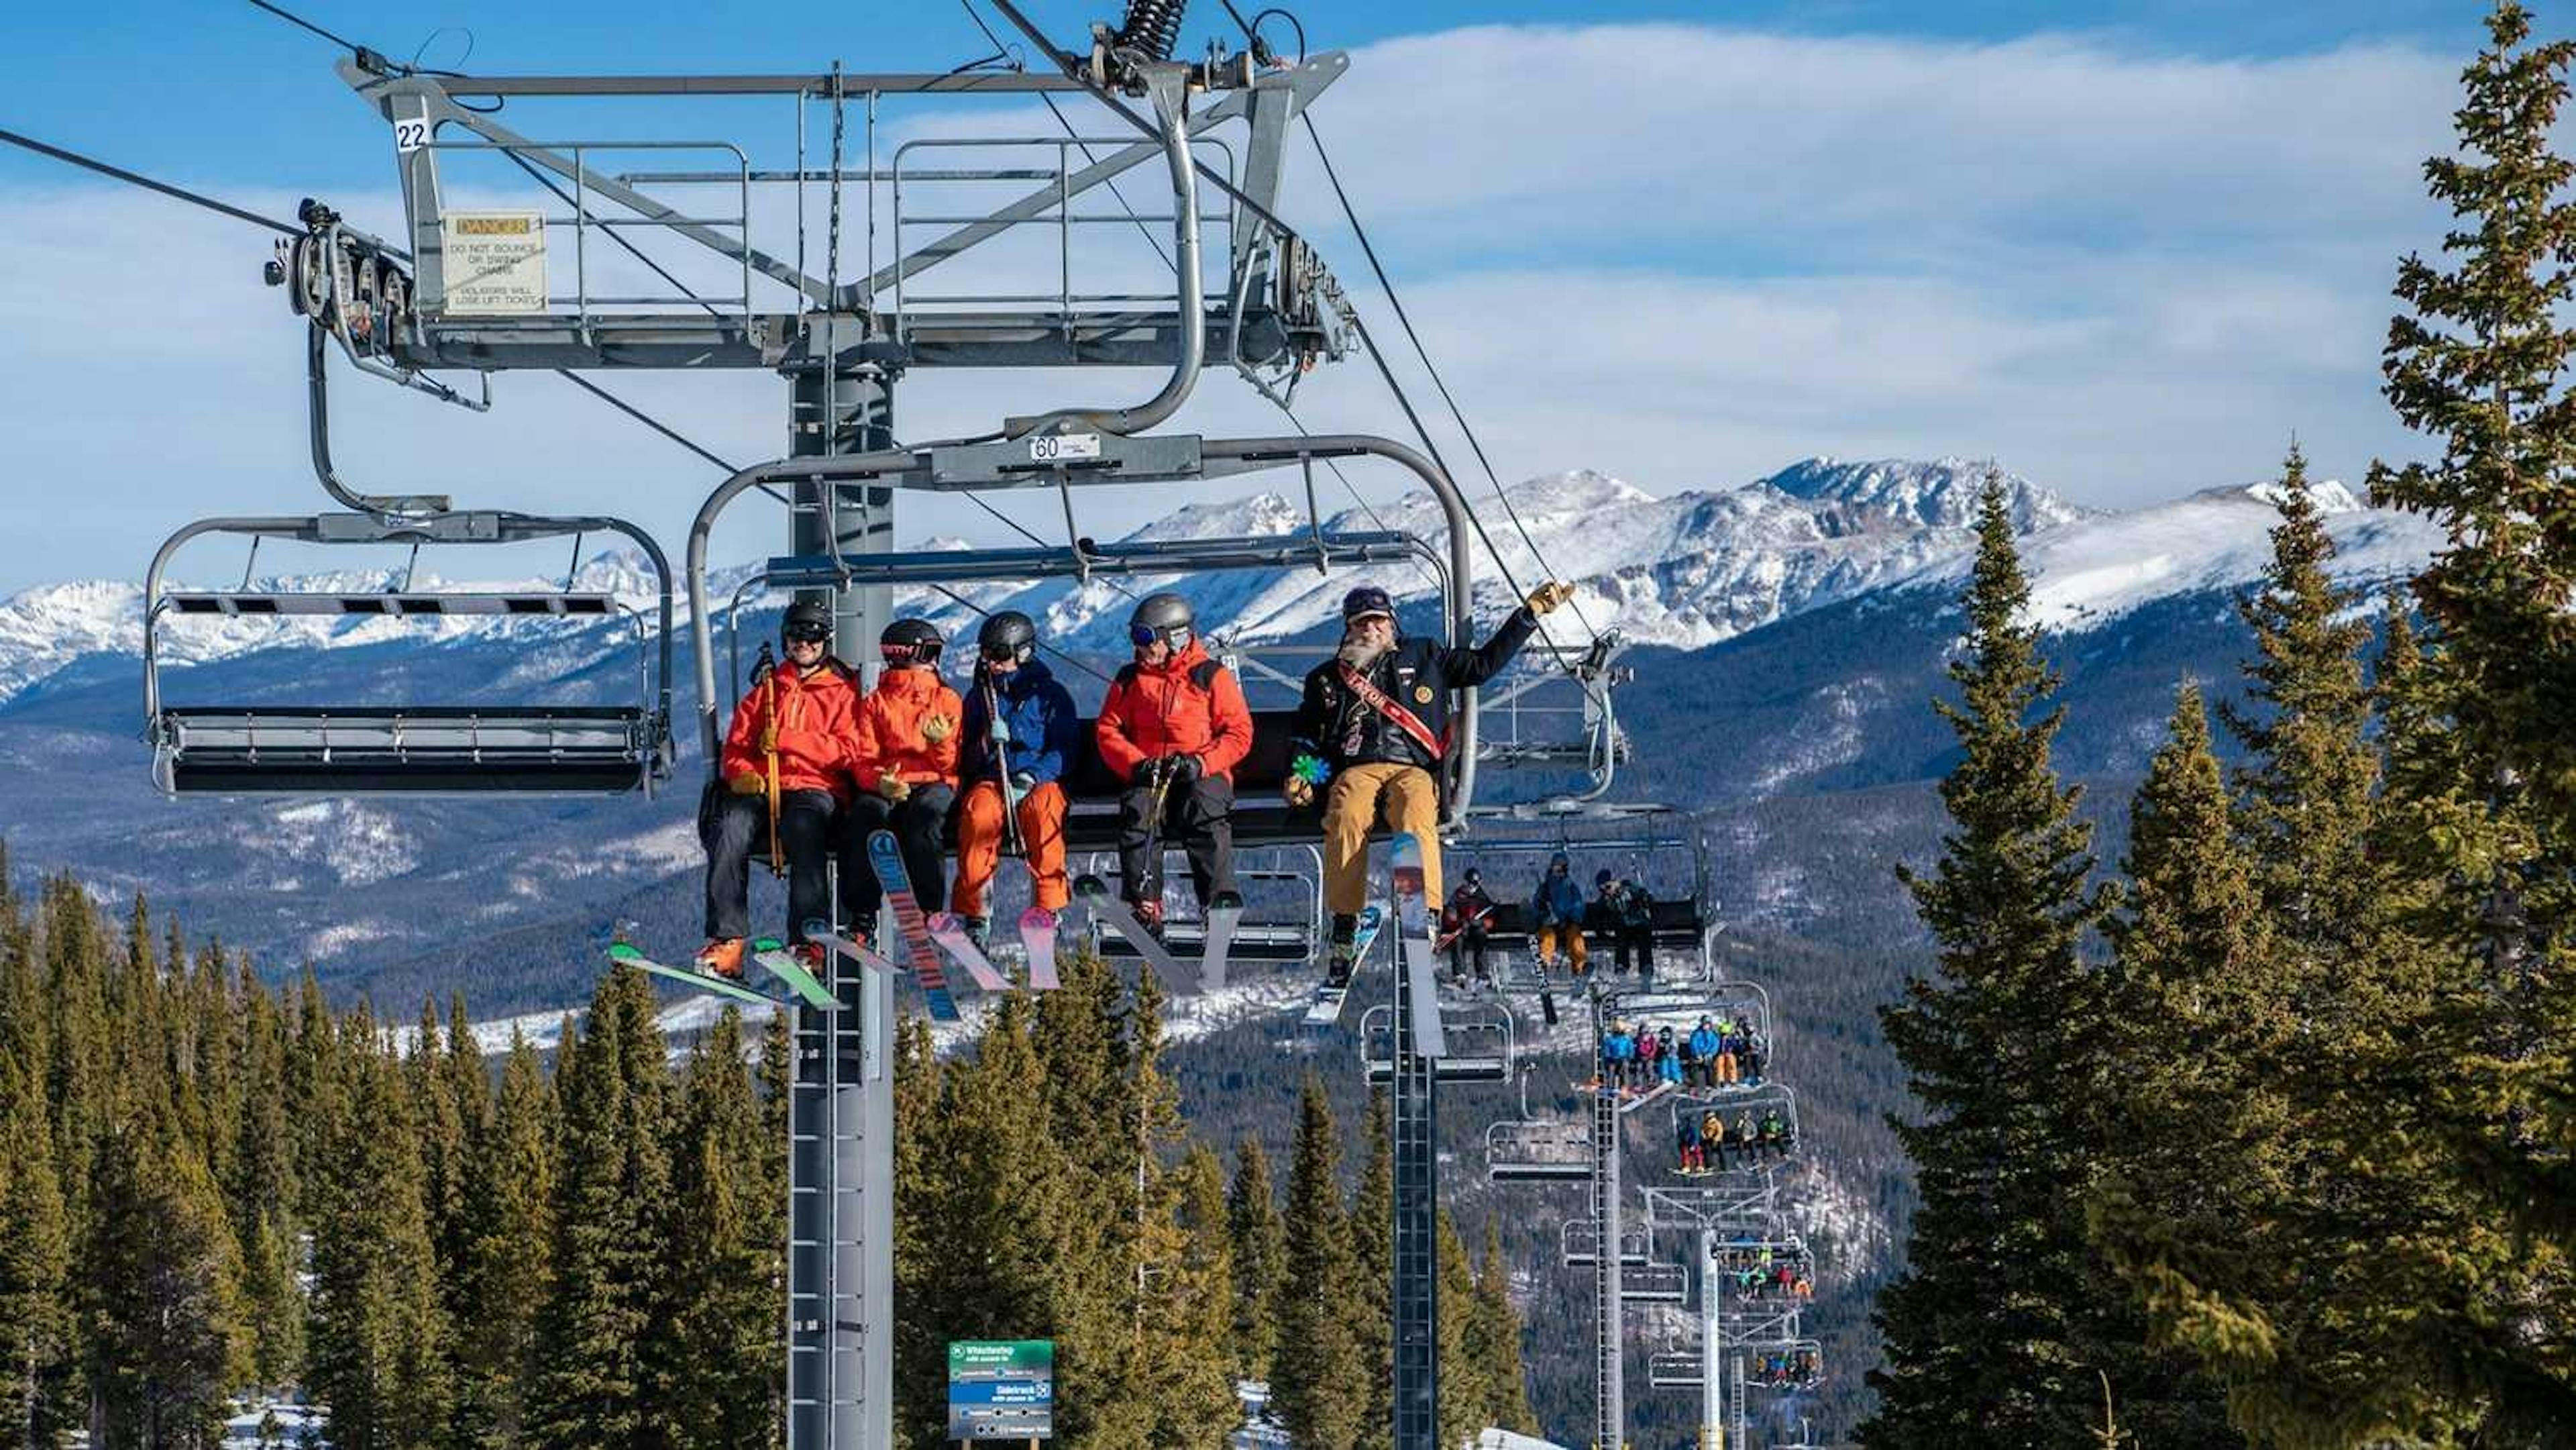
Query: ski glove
point(1299, 791)
point(748, 783)
point(1550, 596)
point(938, 728)
point(1182, 768)
point(1023, 782)
point(893, 789)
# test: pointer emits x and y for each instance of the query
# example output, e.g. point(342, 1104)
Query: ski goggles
point(1143, 635)
point(806, 633)
point(908, 654)
point(1001, 654)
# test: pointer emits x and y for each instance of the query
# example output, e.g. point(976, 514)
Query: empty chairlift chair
point(361, 747)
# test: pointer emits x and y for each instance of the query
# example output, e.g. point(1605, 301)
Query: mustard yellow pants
point(1408, 799)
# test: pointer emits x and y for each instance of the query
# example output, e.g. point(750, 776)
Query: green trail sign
point(1001, 1389)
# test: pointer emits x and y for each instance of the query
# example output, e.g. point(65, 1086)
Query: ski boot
point(979, 930)
point(1340, 964)
point(721, 957)
point(1149, 915)
point(812, 957)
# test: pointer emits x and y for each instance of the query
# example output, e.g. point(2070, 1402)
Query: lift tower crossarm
point(425, 98)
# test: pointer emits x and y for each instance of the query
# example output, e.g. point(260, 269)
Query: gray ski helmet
point(909, 642)
point(807, 618)
point(1165, 616)
point(1008, 635)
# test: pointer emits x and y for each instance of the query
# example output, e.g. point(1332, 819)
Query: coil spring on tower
point(1153, 27)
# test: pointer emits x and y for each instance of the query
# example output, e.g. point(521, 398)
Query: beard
point(1361, 654)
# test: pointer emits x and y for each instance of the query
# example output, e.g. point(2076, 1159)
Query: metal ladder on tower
point(840, 1141)
point(1417, 1242)
point(1609, 1388)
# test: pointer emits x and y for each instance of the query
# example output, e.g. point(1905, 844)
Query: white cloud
point(1682, 254)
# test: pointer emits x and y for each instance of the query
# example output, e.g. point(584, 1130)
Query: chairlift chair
point(1538, 1150)
point(328, 748)
point(1479, 1034)
point(1253, 941)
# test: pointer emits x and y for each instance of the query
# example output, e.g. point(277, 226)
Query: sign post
point(1001, 1389)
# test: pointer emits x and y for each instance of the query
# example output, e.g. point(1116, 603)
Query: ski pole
point(767, 668)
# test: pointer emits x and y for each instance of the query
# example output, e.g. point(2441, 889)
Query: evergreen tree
point(1996, 1328)
point(507, 1273)
point(726, 1338)
point(164, 1341)
point(379, 1340)
point(2202, 1015)
point(1184, 1275)
point(2480, 360)
point(597, 1382)
point(1319, 1380)
point(921, 1185)
point(1494, 1338)
point(1372, 1296)
point(1466, 1382)
point(36, 1318)
point(1260, 1259)
point(1200, 1406)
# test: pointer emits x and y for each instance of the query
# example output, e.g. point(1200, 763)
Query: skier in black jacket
point(1375, 718)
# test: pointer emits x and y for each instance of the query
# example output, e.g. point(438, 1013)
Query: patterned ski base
point(1037, 936)
point(1105, 906)
point(949, 930)
point(1327, 1008)
point(1224, 913)
point(690, 977)
point(887, 858)
point(859, 952)
point(1413, 932)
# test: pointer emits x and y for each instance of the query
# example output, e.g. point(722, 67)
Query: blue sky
point(2127, 250)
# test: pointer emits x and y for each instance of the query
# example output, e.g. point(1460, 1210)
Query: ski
point(690, 976)
point(949, 930)
point(780, 962)
point(1413, 931)
point(1327, 1008)
point(1105, 906)
point(1037, 935)
point(859, 952)
point(1224, 912)
point(887, 858)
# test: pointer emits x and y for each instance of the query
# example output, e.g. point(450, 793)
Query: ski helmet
point(806, 619)
point(909, 642)
point(1009, 635)
point(1365, 601)
point(1165, 616)
point(1474, 877)
point(1602, 878)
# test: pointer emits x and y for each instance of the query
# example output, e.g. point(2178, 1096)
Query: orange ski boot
point(721, 957)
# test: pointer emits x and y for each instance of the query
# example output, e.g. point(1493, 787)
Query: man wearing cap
point(1376, 717)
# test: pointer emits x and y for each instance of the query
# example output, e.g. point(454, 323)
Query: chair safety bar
point(1580, 1241)
point(1538, 1151)
point(1480, 1043)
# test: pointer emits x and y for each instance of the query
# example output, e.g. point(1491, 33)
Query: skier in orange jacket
point(905, 766)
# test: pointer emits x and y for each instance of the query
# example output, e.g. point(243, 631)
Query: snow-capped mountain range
point(1684, 570)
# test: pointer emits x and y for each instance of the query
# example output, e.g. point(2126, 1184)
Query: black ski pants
point(1469, 946)
point(742, 832)
point(916, 821)
point(1199, 817)
point(1634, 944)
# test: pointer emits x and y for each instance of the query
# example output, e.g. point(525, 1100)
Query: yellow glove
point(938, 728)
point(893, 789)
point(748, 783)
point(1300, 791)
point(1549, 596)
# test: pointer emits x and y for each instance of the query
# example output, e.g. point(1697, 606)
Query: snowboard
point(690, 976)
point(1413, 934)
point(1106, 906)
point(887, 858)
point(1037, 938)
point(1224, 913)
point(1327, 1008)
point(949, 931)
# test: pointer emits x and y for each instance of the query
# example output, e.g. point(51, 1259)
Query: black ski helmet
point(1008, 635)
point(1474, 877)
point(1165, 616)
point(1602, 878)
point(909, 642)
point(1366, 600)
point(811, 618)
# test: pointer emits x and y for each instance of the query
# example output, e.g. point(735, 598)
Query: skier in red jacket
point(786, 773)
point(905, 761)
point(1173, 726)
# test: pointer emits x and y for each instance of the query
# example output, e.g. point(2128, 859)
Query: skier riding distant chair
point(1020, 731)
point(905, 761)
point(1469, 919)
point(1173, 726)
point(1376, 717)
point(1556, 917)
point(785, 768)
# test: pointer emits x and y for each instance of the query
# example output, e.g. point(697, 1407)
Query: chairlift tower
point(493, 291)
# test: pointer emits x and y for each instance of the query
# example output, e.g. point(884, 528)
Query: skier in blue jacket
point(1019, 736)
point(1556, 916)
